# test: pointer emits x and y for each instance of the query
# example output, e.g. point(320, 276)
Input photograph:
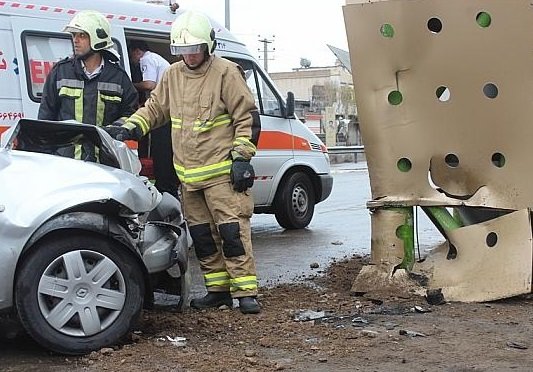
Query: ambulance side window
point(265, 98)
point(41, 51)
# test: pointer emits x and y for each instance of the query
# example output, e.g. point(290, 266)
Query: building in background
point(318, 88)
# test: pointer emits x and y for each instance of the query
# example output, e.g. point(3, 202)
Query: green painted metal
point(406, 232)
point(444, 218)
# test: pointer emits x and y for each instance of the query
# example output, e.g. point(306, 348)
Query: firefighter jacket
point(69, 95)
point(211, 113)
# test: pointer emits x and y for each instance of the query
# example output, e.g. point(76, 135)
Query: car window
point(41, 52)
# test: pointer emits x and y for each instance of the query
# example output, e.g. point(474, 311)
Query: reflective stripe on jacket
point(69, 95)
point(210, 111)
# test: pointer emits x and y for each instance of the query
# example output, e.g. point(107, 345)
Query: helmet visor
point(73, 30)
point(187, 49)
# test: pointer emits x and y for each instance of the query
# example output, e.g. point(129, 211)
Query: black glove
point(121, 133)
point(242, 175)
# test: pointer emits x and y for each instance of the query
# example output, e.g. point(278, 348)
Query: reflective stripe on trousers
point(226, 208)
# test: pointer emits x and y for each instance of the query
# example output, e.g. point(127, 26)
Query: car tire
point(79, 292)
point(295, 202)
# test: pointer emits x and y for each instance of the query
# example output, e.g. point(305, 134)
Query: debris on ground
point(406, 332)
point(305, 315)
point(376, 332)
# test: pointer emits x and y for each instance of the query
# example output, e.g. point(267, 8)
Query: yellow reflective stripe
point(140, 122)
point(78, 108)
point(245, 283)
point(202, 173)
point(205, 126)
point(244, 142)
point(100, 107)
point(176, 123)
point(77, 94)
point(105, 97)
point(71, 92)
point(77, 151)
point(220, 279)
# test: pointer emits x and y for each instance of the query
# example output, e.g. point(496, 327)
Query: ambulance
point(291, 165)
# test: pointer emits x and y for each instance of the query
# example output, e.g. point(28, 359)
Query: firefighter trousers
point(219, 223)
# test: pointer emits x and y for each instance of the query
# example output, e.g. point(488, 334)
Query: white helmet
point(190, 32)
point(96, 26)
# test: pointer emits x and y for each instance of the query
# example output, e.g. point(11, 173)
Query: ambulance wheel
point(79, 292)
point(295, 202)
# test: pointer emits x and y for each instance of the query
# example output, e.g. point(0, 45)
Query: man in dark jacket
point(91, 87)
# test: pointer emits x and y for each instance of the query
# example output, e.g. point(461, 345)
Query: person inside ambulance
point(90, 87)
point(152, 66)
point(215, 128)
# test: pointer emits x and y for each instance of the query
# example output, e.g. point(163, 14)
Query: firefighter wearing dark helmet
point(89, 87)
point(215, 128)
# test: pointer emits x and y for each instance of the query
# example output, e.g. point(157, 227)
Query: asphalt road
point(340, 228)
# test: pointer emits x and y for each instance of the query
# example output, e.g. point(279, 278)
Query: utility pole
point(265, 42)
point(227, 23)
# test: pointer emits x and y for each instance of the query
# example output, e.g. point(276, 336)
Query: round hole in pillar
point(492, 239)
point(395, 97)
point(404, 165)
point(443, 93)
point(483, 19)
point(434, 25)
point(452, 160)
point(386, 30)
point(498, 159)
point(490, 90)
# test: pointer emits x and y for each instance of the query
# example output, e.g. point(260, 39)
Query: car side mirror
point(289, 111)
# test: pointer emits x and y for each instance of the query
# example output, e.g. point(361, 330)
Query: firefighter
point(89, 87)
point(215, 127)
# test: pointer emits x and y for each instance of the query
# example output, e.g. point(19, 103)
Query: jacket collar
point(78, 67)
point(200, 71)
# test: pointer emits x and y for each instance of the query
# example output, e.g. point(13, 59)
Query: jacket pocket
point(74, 107)
point(109, 93)
point(246, 202)
point(108, 98)
point(206, 104)
point(107, 107)
point(68, 92)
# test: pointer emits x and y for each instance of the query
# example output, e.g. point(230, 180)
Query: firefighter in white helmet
point(89, 87)
point(215, 128)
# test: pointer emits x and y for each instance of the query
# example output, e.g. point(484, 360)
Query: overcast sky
point(299, 28)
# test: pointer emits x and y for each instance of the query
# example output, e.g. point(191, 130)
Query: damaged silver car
point(83, 245)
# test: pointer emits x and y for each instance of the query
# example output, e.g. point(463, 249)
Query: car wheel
point(75, 294)
point(295, 202)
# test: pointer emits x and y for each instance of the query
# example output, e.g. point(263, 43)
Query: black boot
point(212, 299)
point(249, 305)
